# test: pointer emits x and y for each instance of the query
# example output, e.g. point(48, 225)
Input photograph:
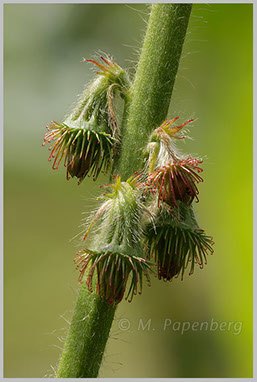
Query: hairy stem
point(154, 80)
point(87, 337)
point(149, 101)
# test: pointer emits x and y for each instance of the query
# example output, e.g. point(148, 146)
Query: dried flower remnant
point(87, 138)
point(160, 148)
point(167, 128)
point(116, 253)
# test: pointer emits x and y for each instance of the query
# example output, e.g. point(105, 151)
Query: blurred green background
point(43, 73)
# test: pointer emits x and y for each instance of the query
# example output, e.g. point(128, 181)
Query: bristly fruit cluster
point(147, 219)
point(173, 237)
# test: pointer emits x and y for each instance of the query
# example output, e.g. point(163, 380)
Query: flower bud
point(88, 135)
point(116, 255)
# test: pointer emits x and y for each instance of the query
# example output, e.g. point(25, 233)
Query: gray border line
point(126, 2)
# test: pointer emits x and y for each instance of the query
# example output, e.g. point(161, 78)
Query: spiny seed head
point(176, 180)
point(116, 274)
point(116, 251)
point(174, 240)
point(85, 151)
point(88, 136)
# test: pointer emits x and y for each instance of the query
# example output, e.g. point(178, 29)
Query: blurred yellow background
point(43, 73)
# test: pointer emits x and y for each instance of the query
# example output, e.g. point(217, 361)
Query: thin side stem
point(150, 98)
point(154, 80)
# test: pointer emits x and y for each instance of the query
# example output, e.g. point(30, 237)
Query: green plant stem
point(87, 336)
point(150, 98)
point(154, 80)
